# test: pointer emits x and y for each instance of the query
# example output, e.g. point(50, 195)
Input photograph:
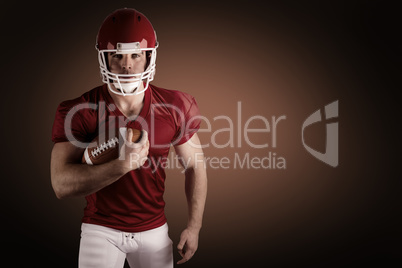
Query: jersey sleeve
point(189, 123)
point(69, 123)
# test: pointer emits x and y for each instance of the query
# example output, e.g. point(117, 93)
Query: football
point(109, 149)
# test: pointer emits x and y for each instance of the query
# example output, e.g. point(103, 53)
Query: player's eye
point(117, 56)
point(134, 56)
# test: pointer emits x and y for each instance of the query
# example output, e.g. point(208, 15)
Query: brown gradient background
point(277, 59)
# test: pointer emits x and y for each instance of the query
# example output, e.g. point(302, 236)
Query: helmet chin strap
point(127, 88)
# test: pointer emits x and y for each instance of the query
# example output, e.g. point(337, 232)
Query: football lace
point(104, 146)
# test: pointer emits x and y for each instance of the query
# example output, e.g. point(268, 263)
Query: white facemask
point(116, 82)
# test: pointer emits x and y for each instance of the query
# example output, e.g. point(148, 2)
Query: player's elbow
point(62, 192)
point(58, 186)
point(58, 189)
point(60, 195)
point(63, 188)
point(59, 170)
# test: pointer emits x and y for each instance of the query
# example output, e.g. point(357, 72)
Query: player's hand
point(134, 155)
point(188, 244)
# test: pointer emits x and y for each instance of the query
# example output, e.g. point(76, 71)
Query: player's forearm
point(73, 179)
point(196, 193)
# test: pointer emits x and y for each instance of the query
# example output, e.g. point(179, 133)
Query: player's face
point(127, 63)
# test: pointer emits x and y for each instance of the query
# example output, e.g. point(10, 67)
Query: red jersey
point(134, 203)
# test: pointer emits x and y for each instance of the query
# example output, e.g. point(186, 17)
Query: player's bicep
point(190, 153)
point(64, 153)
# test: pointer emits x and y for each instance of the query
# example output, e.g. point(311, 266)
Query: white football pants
point(103, 247)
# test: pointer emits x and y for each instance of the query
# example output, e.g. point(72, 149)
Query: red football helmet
point(127, 31)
